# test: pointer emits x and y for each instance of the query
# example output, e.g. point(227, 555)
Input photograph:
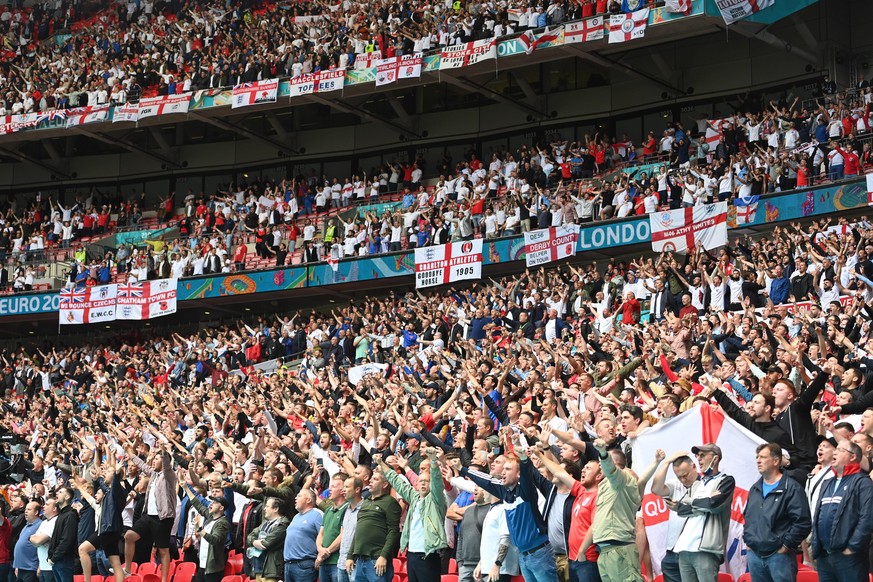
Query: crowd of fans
point(166, 47)
point(499, 417)
point(551, 183)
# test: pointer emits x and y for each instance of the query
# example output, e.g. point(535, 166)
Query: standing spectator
point(63, 545)
point(43, 537)
point(108, 532)
point(159, 511)
point(26, 560)
point(212, 556)
point(618, 498)
point(424, 532)
point(266, 543)
point(686, 477)
point(701, 545)
point(527, 528)
point(843, 520)
point(352, 488)
point(377, 534)
point(470, 534)
point(300, 551)
point(776, 519)
point(328, 540)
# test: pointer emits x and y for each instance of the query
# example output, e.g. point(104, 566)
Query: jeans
point(774, 568)
point(670, 567)
point(699, 566)
point(46, 576)
point(465, 572)
point(842, 568)
point(584, 571)
point(342, 575)
point(301, 571)
point(365, 571)
point(539, 566)
point(836, 172)
point(328, 573)
point(63, 570)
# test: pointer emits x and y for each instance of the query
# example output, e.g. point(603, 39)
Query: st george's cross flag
point(630, 26)
point(698, 426)
point(746, 209)
point(255, 93)
point(530, 41)
point(584, 30)
point(685, 228)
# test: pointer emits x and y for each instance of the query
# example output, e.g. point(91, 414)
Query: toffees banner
point(550, 244)
point(695, 427)
point(147, 299)
point(443, 264)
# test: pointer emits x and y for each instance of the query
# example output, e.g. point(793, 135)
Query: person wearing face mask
point(707, 509)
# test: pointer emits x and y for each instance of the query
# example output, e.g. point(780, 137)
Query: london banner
point(444, 264)
point(550, 244)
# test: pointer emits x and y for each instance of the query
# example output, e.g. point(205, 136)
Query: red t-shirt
point(582, 519)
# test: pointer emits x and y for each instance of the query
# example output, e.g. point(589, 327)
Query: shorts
point(108, 542)
point(157, 529)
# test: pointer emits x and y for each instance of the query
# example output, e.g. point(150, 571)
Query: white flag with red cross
point(584, 30)
point(698, 426)
point(246, 94)
point(547, 245)
point(444, 264)
point(733, 10)
point(631, 26)
point(870, 189)
point(685, 228)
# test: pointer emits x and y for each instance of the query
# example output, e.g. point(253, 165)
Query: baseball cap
point(707, 448)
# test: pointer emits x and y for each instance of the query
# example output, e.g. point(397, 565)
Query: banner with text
point(322, 82)
point(163, 105)
point(550, 244)
point(88, 305)
point(470, 53)
point(733, 10)
point(444, 264)
point(685, 228)
point(255, 93)
point(146, 300)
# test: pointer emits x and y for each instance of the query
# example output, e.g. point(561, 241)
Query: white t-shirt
point(47, 528)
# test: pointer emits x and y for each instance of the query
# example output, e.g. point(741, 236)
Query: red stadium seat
point(725, 577)
point(151, 578)
point(148, 568)
point(79, 578)
point(807, 576)
point(133, 578)
point(745, 578)
point(449, 578)
point(232, 579)
point(453, 566)
point(185, 572)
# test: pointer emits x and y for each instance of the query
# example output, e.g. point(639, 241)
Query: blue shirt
point(25, 552)
point(766, 489)
point(301, 534)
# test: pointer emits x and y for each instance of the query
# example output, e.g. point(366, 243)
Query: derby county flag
point(255, 93)
point(698, 426)
point(685, 228)
point(584, 31)
point(550, 244)
point(625, 27)
point(444, 264)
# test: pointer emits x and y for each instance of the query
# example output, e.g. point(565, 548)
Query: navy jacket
point(853, 521)
point(780, 519)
